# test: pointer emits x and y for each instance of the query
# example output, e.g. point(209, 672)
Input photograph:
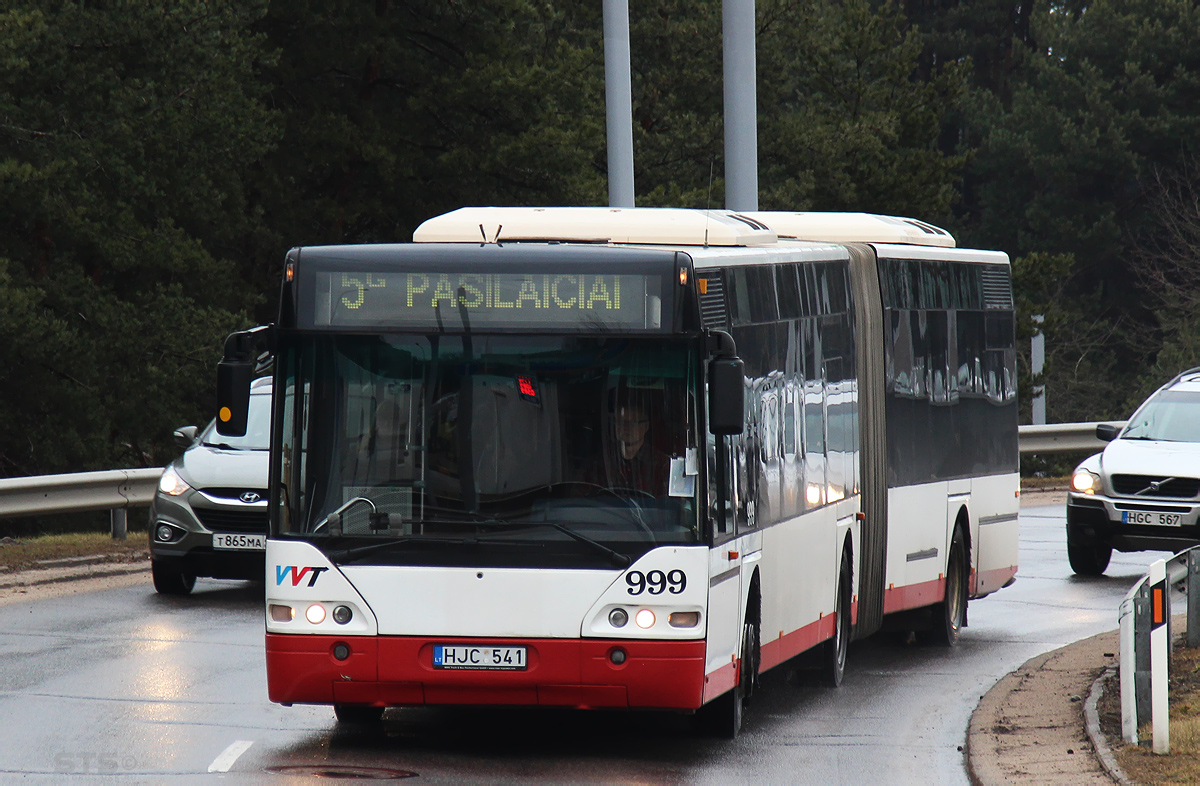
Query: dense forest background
point(157, 159)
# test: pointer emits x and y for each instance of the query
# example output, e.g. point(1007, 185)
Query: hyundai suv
point(209, 515)
point(1142, 493)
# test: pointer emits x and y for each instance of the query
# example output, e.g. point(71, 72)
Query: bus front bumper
point(389, 671)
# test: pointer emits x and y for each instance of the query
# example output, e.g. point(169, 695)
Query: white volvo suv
point(1142, 493)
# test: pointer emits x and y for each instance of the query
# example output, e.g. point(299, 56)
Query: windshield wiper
point(619, 559)
point(342, 556)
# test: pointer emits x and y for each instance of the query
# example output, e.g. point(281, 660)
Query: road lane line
point(228, 756)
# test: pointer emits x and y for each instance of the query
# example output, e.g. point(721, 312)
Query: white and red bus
point(589, 457)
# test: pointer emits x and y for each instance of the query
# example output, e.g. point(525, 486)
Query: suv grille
point(1130, 485)
point(233, 520)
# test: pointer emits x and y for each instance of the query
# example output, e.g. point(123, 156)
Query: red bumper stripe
point(396, 670)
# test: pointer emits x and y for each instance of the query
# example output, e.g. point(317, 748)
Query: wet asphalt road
point(126, 686)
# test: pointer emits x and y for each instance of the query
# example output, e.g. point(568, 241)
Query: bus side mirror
point(726, 396)
point(235, 372)
point(233, 396)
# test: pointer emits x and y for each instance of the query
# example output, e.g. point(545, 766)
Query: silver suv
point(1142, 493)
point(209, 515)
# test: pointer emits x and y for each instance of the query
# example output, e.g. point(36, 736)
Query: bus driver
point(637, 463)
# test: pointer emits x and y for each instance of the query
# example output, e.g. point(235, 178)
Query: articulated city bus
point(590, 457)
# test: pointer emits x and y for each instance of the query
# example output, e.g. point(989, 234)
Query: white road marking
point(228, 756)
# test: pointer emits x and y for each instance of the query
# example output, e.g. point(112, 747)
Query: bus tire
point(950, 616)
point(833, 658)
point(358, 714)
point(168, 581)
point(1088, 554)
point(722, 717)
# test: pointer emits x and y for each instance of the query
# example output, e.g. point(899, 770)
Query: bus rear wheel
point(833, 658)
point(950, 616)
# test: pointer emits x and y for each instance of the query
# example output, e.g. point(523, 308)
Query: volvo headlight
point(1085, 482)
point(171, 483)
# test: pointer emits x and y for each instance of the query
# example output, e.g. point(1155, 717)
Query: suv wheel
point(1088, 554)
point(168, 581)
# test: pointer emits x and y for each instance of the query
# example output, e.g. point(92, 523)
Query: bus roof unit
point(640, 225)
point(853, 228)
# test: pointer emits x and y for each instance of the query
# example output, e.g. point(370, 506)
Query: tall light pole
point(741, 106)
point(618, 103)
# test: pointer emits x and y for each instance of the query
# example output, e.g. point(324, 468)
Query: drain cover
point(340, 771)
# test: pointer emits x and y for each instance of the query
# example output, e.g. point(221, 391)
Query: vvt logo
point(297, 574)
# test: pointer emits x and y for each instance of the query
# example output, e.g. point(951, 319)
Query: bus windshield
point(487, 449)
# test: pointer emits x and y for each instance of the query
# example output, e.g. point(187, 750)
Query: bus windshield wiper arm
point(621, 560)
point(342, 556)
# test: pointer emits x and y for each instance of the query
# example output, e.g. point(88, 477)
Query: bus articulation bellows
point(594, 457)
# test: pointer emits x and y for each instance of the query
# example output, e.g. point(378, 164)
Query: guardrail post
point(120, 523)
point(1193, 598)
point(1141, 652)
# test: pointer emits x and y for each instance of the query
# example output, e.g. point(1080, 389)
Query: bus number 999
point(656, 582)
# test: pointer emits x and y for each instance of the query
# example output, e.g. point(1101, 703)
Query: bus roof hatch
point(638, 225)
point(853, 228)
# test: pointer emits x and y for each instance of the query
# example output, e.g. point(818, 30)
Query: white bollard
point(1159, 651)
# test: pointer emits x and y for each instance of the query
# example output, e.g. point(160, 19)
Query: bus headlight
point(342, 614)
point(644, 619)
point(618, 617)
point(315, 614)
point(1085, 482)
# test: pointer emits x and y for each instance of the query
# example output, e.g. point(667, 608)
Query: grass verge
point(25, 553)
point(1139, 763)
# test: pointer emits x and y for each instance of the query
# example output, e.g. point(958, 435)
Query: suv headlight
point(1085, 482)
point(171, 483)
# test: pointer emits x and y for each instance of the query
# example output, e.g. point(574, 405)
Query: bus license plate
point(1150, 517)
point(236, 541)
point(479, 657)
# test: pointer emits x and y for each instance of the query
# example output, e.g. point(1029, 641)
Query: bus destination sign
point(414, 299)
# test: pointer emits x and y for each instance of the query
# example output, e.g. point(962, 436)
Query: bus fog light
point(281, 613)
point(315, 614)
point(644, 618)
point(618, 617)
point(341, 650)
point(617, 656)
point(342, 614)
point(683, 619)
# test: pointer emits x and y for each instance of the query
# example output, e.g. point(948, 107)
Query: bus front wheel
point(722, 717)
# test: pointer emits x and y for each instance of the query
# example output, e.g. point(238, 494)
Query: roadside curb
point(1091, 719)
point(1031, 727)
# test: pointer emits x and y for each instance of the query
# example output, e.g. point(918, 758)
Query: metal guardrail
point(120, 489)
point(1146, 641)
point(115, 490)
point(1062, 437)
